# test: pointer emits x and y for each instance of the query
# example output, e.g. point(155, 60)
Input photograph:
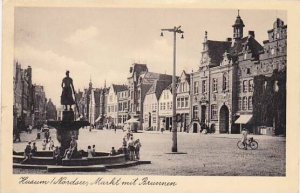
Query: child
point(44, 144)
point(89, 152)
point(113, 151)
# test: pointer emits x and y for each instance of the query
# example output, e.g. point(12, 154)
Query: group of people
point(30, 150)
point(131, 147)
point(48, 144)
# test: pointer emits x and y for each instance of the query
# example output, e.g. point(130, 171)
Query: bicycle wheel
point(240, 145)
point(253, 145)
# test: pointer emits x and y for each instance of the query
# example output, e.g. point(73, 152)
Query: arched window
point(225, 81)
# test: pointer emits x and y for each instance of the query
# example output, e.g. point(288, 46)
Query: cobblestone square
point(206, 155)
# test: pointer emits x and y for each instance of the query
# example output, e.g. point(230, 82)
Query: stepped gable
point(138, 69)
point(249, 43)
point(216, 49)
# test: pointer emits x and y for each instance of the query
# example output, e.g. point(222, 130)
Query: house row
point(238, 83)
point(30, 105)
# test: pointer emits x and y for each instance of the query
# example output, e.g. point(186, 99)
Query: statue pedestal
point(65, 134)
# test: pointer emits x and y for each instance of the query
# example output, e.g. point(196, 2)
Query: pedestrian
point(244, 138)
point(131, 148)
point(115, 129)
point(89, 152)
point(124, 147)
point(57, 155)
point(27, 153)
point(162, 130)
point(17, 136)
point(51, 144)
point(113, 151)
point(29, 128)
point(94, 150)
point(33, 149)
point(44, 144)
point(47, 134)
point(137, 146)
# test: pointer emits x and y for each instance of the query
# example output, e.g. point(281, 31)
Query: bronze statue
point(67, 93)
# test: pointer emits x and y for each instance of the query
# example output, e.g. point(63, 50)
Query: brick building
point(23, 96)
point(222, 89)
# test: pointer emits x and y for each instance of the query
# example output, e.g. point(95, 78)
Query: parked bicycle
point(249, 143)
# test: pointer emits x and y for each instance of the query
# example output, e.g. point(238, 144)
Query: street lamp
point(175, 30)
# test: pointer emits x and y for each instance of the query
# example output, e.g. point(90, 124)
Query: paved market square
point(206, 155)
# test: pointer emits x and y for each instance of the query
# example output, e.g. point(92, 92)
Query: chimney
point(251, 33)
point(228, 39)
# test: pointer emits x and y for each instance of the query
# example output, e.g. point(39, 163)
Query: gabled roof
point(151, 77)
point(188, 76)
point(158, 87)
point(119, 88)
point(249, 42)
point(216, 50)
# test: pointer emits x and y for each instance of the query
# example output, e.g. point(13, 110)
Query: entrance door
point(203, 113)
point(224, 120)
point(195, 128)
point(149, 121)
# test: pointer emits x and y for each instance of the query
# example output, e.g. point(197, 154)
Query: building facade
point(183, 101)
point(222, 89)
point(23, 96)
point(165, 109)
point(51, 113)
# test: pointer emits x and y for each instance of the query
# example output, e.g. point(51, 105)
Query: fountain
point(66, 129)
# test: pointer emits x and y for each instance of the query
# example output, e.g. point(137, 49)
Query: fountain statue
point(68, 127)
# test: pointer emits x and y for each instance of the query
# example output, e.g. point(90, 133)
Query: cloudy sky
point(102, 43)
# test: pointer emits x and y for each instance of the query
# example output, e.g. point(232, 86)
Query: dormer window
point(272, 51)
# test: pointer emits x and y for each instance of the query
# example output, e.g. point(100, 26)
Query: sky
point(101, 43)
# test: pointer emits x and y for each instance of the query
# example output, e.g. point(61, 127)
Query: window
point(248, 71)
point(154, 119)
point(186, 101)
point(182, 102)
point(196, 87)
point(245, 86)
point(225, 81)
point(214, 112)
point(178, 102)
point(251, 86)
point(240, 107)
point(245, 103)
point(250, 107)
point(203, 86)
point(215, 84)
point(195, 112)
point(171, 107)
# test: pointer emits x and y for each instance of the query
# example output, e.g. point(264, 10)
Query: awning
point(132, 120)
point(98, 119)
point(243, 119)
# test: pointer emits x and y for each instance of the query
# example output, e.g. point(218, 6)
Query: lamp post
point(175, 30)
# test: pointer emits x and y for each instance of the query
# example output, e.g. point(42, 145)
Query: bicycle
point(250, 142)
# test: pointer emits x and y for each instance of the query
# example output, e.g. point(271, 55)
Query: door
point(224, 120)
